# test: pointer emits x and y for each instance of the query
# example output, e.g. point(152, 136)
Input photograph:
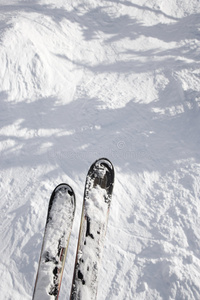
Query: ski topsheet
point(55, 243)
point(97, 198)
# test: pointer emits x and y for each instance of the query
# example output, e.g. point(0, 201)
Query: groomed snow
point(84, 79)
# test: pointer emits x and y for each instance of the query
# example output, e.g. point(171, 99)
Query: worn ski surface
point(55, 243)
point(97, 199)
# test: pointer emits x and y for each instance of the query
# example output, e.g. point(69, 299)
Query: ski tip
point(64, 186)
point(104, 161)
point(67, 189)
point(103, 166)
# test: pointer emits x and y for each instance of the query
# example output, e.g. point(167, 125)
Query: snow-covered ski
point(55, 243)
point(97, 199)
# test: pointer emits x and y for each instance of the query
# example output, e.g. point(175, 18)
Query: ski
point(96, 204)
point(55, 243)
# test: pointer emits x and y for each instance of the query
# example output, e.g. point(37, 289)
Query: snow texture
point(120, 79)
point(95, 206)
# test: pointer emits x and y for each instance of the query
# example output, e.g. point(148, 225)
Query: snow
point(80, 80)
point(94, 206)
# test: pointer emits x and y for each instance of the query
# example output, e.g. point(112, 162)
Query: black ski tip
point(59, 187)
point(109, 175)
point(104, 162)
point(65, 186)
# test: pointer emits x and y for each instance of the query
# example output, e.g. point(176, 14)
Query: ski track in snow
point(80, 80)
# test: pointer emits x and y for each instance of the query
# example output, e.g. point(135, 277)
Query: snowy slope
point(83, 79)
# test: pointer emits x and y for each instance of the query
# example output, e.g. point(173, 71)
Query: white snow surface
point(84, 79)
point(95, 205)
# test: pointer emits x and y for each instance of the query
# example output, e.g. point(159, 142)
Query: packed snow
point(96, 208)
point(84, 79)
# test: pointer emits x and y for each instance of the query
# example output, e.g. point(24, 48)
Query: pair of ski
point(61, 210)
